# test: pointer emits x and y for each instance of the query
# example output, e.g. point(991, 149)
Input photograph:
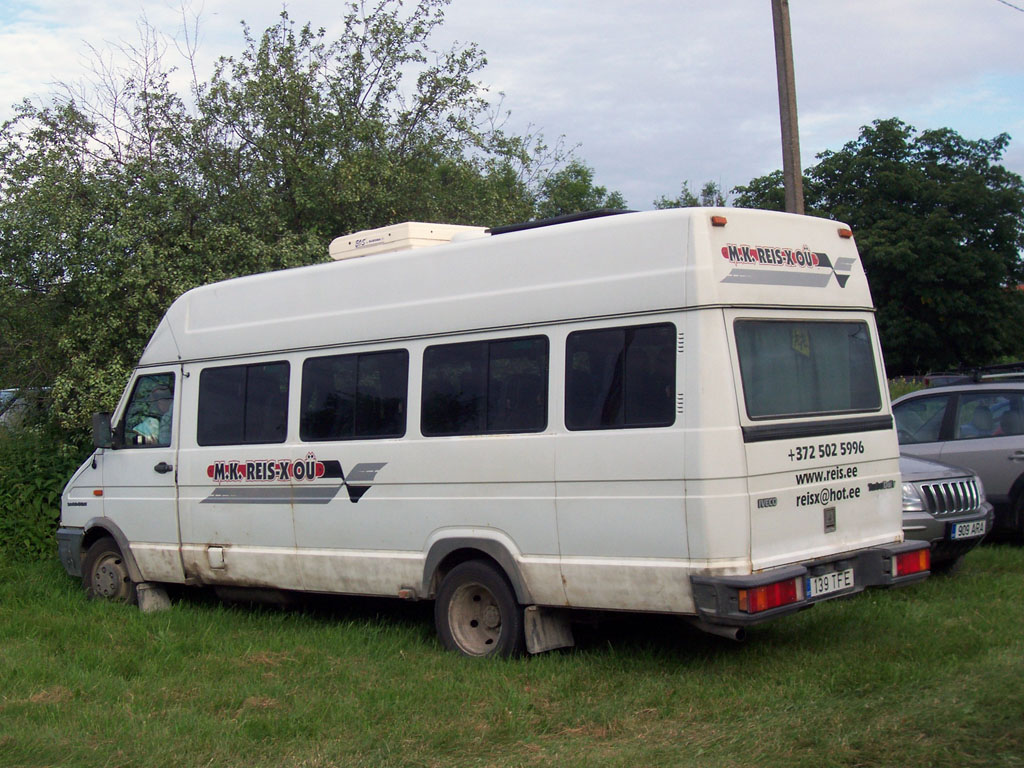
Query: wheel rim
point(474, 617)
point(110, 577)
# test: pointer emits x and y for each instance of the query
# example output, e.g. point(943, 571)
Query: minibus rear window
point(803, 368)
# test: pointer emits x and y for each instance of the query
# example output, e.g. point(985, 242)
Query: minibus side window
point(620, 377)
point(354, 397)
point(243, 404)
point(147, 420)
point(485, 387)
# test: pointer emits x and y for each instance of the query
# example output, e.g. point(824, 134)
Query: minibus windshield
point(804, 368)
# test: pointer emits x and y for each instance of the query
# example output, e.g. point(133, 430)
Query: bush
point(35, 463)
point(902, 385)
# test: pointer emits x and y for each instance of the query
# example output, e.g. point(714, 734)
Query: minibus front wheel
point(476, 612)
point(105, 572)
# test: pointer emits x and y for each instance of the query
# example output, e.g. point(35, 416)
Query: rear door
point(988, 437)
point(821, 450)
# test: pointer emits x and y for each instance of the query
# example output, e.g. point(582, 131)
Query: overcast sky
point(653, 92)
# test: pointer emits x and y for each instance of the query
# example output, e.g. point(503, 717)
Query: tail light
point(912, 562)
point(769, 596)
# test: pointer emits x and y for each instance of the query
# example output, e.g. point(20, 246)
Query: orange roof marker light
point(845, 233)
point(718, 221)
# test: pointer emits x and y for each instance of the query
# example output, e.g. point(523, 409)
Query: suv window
point(920, 420)
point(988, 414)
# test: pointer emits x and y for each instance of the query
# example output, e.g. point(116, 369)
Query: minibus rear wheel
point(105, 572)
point(476, 612)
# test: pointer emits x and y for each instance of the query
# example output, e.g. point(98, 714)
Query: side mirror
point(102, 437)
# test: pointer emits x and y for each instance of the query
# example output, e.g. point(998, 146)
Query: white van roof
point(615, 265)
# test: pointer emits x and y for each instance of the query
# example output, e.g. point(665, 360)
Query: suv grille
point(950, 497)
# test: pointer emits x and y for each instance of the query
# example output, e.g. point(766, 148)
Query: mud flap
point(546, 629)
point(152, 598)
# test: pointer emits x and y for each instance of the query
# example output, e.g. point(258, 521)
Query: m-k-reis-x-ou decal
point(286, 481)
point(792, 266)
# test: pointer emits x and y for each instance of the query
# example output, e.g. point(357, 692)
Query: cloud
point(655, 92)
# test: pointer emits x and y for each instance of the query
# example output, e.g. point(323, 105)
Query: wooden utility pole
point(794, 182)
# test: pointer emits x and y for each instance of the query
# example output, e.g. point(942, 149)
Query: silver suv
point(944, 506)
point(979, 425)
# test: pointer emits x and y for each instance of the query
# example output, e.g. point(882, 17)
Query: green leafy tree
point(711, 196)
point(321, 137)
point(572, 190)
point(47, 201)
point(940, 227)
point(767, 193)
point(120, 197)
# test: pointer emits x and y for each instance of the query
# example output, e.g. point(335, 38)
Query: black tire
point(1017, 522)
point(476, 613)
point(105, 573)
point(948, 567)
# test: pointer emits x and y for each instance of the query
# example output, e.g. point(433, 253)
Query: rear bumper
point(717, 598)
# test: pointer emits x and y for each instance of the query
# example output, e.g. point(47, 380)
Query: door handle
point(163, 467)
point(1016, 456)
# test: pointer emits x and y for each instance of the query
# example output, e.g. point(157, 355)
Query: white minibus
point(680, 411)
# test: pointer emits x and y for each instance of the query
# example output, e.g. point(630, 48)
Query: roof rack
point(1011, 376)
point(1001, 368)
point(998, 371)
point(564, 219)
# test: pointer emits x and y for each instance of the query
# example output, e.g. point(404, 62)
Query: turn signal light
point(97, 491)
point(912, 562)
point(770, 596)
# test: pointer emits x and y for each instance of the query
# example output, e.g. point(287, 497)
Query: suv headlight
point(981, 490)
point(912, 501)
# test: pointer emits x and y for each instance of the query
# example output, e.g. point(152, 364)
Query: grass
point(930, 675)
